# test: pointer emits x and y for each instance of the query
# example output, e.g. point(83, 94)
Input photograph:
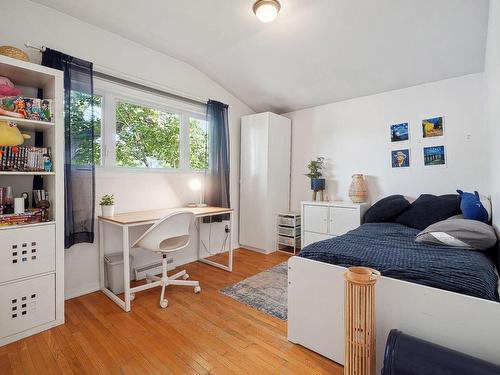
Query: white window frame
point(113, 93)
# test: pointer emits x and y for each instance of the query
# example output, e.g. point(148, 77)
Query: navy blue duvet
point(391, 249)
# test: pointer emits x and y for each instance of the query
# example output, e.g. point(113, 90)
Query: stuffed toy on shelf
point(7, 88)
point(10, 135)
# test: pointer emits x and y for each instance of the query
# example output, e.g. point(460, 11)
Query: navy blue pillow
point(429, 209)
point(386, 209)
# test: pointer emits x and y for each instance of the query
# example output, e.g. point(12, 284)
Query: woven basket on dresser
point(14, 52)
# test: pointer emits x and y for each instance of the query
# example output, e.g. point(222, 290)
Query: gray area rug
point(265, 291)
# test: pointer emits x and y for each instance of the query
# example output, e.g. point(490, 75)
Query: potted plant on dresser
point(316, 175)
point(108, 205)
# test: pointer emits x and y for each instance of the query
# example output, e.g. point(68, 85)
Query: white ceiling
point(315, 52)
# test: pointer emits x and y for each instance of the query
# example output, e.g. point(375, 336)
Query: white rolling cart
point(32, 255)
point(288, 232)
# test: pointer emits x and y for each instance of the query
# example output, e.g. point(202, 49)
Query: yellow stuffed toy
point(10, 135)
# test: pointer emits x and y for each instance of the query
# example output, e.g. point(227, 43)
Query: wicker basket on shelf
point(14, 52)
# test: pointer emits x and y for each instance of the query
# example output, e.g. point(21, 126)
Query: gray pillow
point(461, 233)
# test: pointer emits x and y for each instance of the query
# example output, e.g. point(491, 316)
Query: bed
point(391, 249)
point(447, 296)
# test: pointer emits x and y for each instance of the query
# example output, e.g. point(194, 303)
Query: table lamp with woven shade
point(14, 52)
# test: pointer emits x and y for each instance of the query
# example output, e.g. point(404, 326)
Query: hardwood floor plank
point(199, 334)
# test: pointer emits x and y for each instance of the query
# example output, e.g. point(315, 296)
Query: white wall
point(132, 191)
point(354, 136)
point(492, 108)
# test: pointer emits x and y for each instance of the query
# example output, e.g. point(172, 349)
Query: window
point(144, 131)
point(198, 147)
point(83, 108)
point(146, 137)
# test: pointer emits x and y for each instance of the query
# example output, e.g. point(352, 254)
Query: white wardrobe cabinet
point(324, 220)
point(264, 178)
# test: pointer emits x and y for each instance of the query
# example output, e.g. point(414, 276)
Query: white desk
point(131, 219)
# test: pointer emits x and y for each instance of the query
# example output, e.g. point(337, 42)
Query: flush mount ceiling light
point(266, 10)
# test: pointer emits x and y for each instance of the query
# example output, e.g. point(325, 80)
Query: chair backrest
point(168, 234)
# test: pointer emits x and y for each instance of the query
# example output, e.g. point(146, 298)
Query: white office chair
point(168, 235)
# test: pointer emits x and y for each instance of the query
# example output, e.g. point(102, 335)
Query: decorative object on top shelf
point(358, 192)
point(14, 52)
point(108, 205)
point(26, 108)
point(7, 88)
point(316, 175)
point(10, 135)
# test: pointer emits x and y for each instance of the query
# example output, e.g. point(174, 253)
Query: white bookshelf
point(32, 256)
point(28, 125)
point(20, 173)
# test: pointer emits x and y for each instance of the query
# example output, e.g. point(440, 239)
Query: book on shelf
point(31, 216)
point(23, 158)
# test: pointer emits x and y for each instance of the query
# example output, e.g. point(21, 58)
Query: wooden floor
point(207, 333)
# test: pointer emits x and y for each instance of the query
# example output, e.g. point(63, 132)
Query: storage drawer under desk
point(26, 304)
point(26, 251)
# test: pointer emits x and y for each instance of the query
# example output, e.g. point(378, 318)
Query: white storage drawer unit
point(27, 304)
point(323, 220)
point(27, 251)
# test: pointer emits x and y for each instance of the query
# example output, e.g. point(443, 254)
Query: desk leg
point(126, 267)
point(101, 254)
point(198, 221)
point(230, 264)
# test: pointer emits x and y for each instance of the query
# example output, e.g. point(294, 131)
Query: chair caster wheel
point(197, 289)
point(185, 276)
point(132, 296)
point(163, 303)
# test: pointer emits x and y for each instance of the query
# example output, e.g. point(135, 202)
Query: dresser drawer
point(343, 219)
point(315, 218)
point(26, 304)
point(26, 251)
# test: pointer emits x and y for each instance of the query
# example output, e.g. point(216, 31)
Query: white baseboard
point(94, 287)
point(262, 251)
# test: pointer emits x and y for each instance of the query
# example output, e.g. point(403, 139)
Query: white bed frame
point(316, 313)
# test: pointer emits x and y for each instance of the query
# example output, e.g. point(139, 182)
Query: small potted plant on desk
point(108, 205)
point(316, 176)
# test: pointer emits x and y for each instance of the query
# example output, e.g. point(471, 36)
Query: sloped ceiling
point(315, 52)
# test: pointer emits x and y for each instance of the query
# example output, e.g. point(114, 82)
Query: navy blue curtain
point(79, 177)
point(217, 176)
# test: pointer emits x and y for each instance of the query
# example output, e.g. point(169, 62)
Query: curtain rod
point(102, 73)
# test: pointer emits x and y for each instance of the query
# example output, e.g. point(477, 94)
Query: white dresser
point(323, 220)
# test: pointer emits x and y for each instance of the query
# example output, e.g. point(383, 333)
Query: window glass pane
point(85, 110)
point(146, 137)
point(198, 138)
